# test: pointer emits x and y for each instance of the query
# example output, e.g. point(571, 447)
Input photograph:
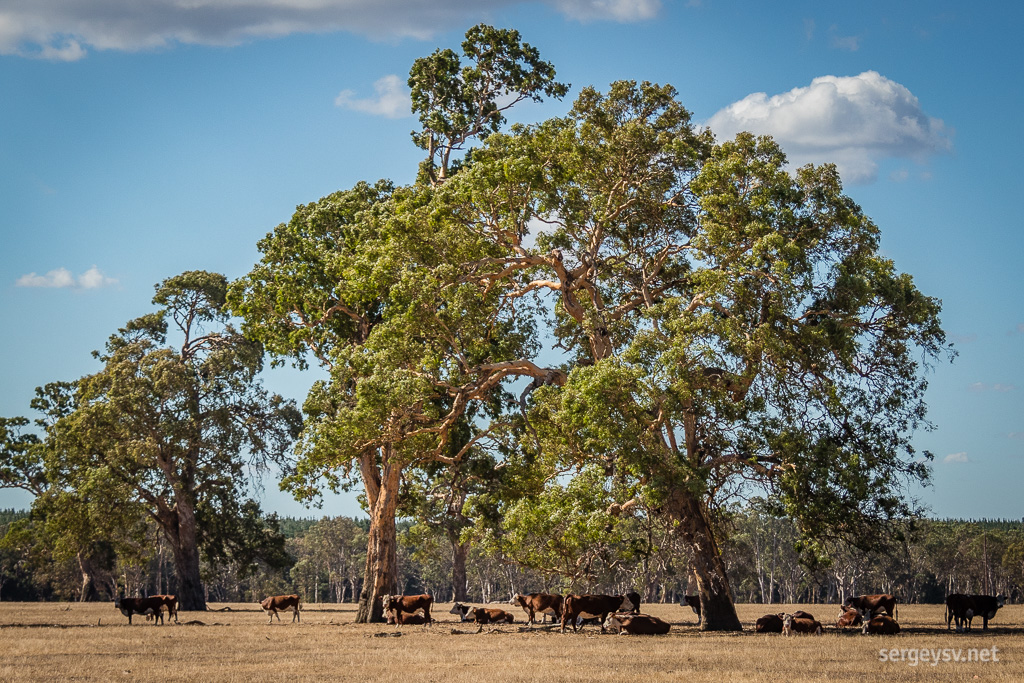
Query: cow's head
point(1001, 600)
point(388, 600)
point(613, 622)
point(626, 605)
point(460, 609)
point(787, 624)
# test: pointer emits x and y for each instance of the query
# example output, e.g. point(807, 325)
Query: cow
point(282, 603)
point(870, 605)
point(849, 618)
point(482, 615)
point(963, 608)
point(539, 603)
point(800, 614)
point(409, 603)
point(149, 606)
point(590, 606)
point(882, 625)
point(634, 598)
point(637, 624)
point(769, 623)
point(403, 618)
point(694, 602)
point(171, 603)
point(792, 624)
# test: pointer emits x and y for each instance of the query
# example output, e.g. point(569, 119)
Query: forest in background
point(323, 561)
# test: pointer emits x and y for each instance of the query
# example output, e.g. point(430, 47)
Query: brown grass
point(62, 642)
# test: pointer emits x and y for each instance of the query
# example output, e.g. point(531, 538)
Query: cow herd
point(874, 614)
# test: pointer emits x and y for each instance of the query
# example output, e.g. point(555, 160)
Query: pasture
point(93, 641)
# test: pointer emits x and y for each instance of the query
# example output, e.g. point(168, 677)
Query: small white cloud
point(852, 121)
point(956, 457)
point(899, 175)
point(392, 101)
point(63, 278)
point(69, 51)
point(615, 10)
point(848, 43)
point(997, 387)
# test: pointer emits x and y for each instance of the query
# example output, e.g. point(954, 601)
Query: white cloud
point(956, 457)
point(62, 278)
point(66, 29)
point(998, 387)
point(852, 121)
point(392, 100)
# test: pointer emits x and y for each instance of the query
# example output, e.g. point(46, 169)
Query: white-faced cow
point(637, 625)
point(482, 615)
point(539, 603)
point(963, 608)
point(870, 605)
point(409, 603)
point(797, 624)
point(152, 606)
point(881, 625)
point(282, 603)
point(590, 606)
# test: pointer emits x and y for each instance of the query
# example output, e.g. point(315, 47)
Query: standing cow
point(151, 606)
point(870, 605)
point(963, 608)
point(282, 603)
point(410, 604)
point(590, 606)
point(539, 603)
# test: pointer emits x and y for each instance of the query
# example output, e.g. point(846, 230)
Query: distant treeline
point(326, 556)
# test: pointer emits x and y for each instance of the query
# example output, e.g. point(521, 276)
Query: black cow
point(963, 608)
point(694, 602)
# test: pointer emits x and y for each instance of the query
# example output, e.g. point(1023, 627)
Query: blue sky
point(139, 140)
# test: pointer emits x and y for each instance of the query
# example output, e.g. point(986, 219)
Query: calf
point(963, 608)
point(769, 623)
point(406, 618)
point(849, 618)
point(590, 606)
point(882, 625)
point(148, 606)
point(637, 624)
point(409, 603)
point(792, 624)
point(282, 603)
point(539, 603)
point(482, 615)
point(870, 605)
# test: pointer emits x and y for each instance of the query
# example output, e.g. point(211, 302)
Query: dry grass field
point(71, 641)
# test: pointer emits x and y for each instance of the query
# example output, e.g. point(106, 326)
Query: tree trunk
point(185, 547)
point(460, 584)
point(87, 583)
point(381, 571)
point(718, 613)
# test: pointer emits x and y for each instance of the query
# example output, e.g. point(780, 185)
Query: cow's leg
point(603, 618)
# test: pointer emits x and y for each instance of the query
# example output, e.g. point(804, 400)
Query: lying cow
point(769, 623)
point(849, 618)
point(881, 625)
point(482, 615)
point(282, 603)
point(151, 606)
point(963, 608)
point(871, 605)
point(793, 624)
point(409, 603)
point(637, 625)
point(590, 606)
point(403, 618)
point(539, 603)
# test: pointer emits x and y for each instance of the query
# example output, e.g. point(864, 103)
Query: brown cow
point(282, 603)
point(149, 606)
point(410, 604)
point(769, 623)
point(849, 618)
point(171, 603)
point(637, 625)
point(482, 615)
point(881, 624)
point(870, 605)
point(539, 603)
point(792, 624)
point(406, 618)
point(590, 606)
